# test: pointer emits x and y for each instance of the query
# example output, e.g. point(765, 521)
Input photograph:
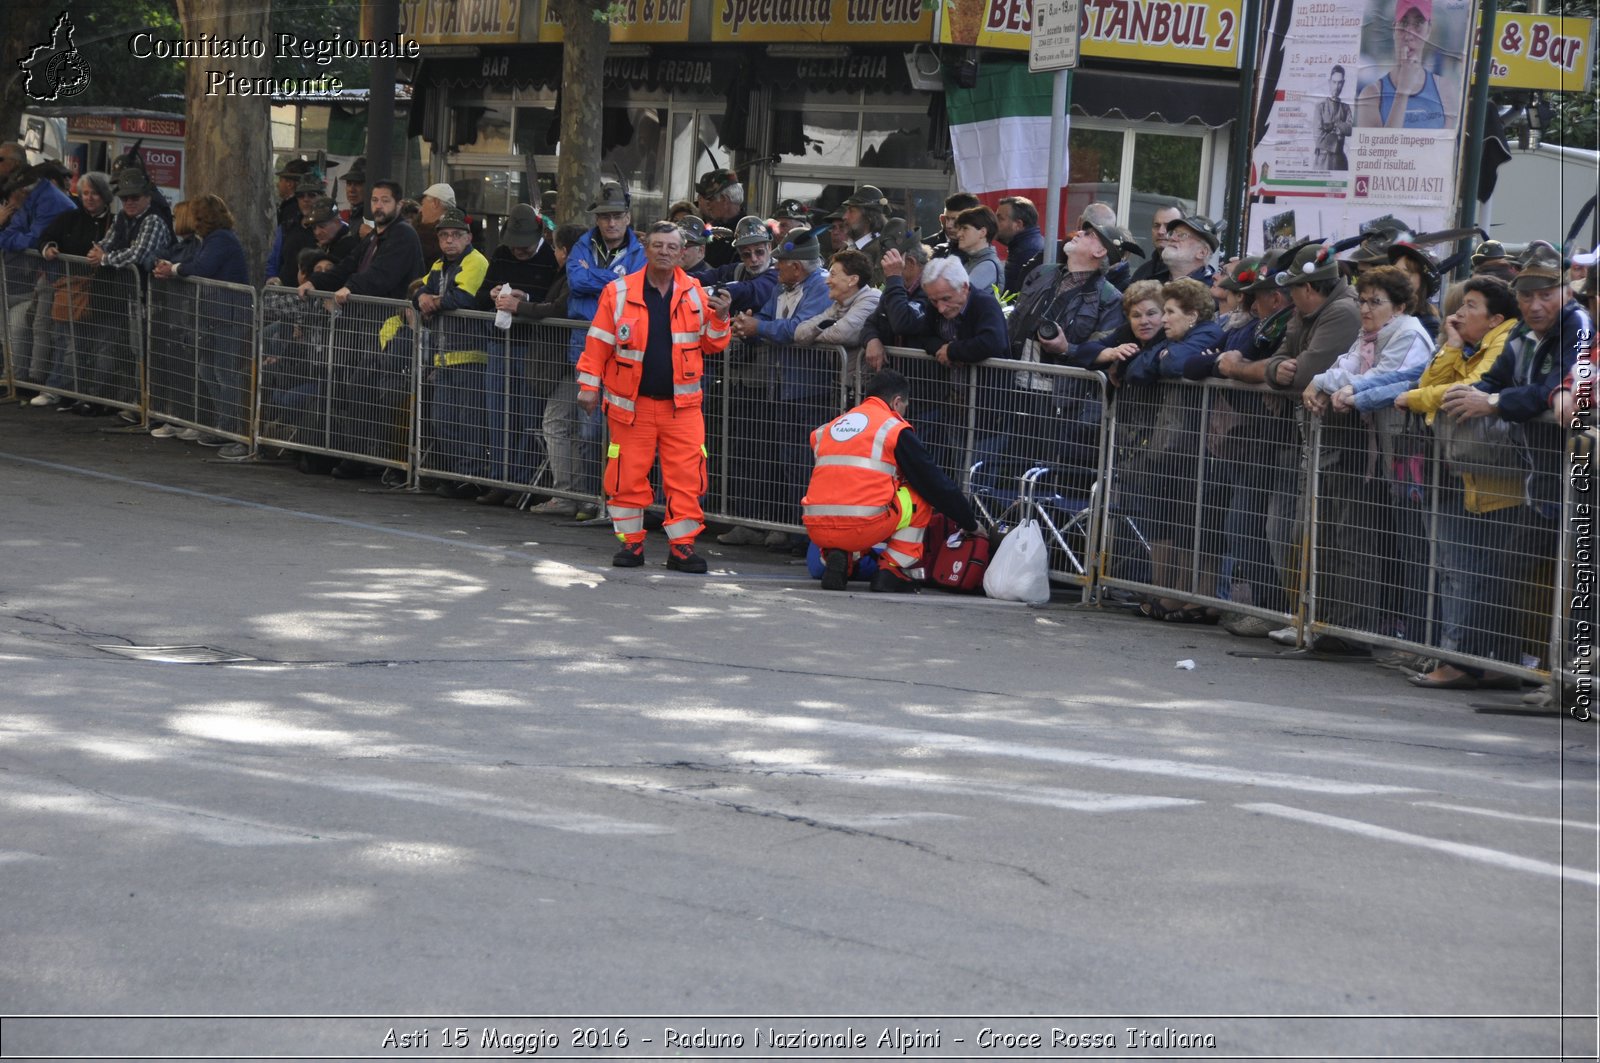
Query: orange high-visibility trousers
point(678, 435)
point(901, 533)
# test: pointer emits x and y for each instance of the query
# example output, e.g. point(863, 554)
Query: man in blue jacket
point(606, 252)
point(27, 207)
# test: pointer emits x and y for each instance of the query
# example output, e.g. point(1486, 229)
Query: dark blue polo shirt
point(655, 378)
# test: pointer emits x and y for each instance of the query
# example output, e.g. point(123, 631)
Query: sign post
point(1053, 46)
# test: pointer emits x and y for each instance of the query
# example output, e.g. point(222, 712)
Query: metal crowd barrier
point(1415, 552)
point(201, 369)
point(340, 380)
point(1027, 441)
point(1201, 497)
point(79, 332)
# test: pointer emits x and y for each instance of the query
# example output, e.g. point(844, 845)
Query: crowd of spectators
point(1355, 334)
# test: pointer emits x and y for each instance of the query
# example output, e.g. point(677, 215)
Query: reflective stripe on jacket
point(856, 480)
point(613, 353)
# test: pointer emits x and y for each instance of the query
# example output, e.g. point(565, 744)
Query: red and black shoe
point(682, 558)
point(892, 581)
point(630, 556)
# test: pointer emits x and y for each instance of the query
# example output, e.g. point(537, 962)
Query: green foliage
point(321, 20)
point(614, 13)
point(116, 77)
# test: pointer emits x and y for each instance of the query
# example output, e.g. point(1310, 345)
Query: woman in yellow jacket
point(1478, 513)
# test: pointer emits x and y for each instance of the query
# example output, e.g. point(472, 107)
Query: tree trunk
point(229, 140)
point(583, 57)
point(27, 25)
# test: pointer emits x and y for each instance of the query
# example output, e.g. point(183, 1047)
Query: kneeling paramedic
point(874, 483)
point(644, 353)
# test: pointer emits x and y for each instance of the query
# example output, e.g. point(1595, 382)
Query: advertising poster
point(1359, 115)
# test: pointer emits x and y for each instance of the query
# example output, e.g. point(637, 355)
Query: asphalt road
point(470, 770)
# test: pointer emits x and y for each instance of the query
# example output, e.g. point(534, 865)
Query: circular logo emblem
point(68, 73)
point(848, 427)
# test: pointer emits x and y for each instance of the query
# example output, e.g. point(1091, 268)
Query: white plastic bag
point(1019, 570)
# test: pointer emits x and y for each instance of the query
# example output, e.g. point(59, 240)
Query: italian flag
point(1000, 134)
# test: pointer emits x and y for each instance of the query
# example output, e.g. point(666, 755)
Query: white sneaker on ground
point(235, 452)
point(1247, 626)
point(777, 538)
point(741, 536)
point(555, 507)
point(1285, 636)
point(44, 398)
point(189, 434)
point(166, 431)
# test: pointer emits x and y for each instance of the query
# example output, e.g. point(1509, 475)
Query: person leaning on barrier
point(1075, 298)
point(137, 237)
point(1389, 353)
point(382, 265)
point(455, 412)
point(72, 233)
point(971, 323)
point(1477, 510)
point(525, 261)
point(1326, 318)
point(904, 317)
point(751, 280)
point(433, 202)
point(1555, 332)
point(874, 483)
point(1235, 314)
point(645, 356)
point(1270, 306)
point(28, 205)
point(330, 232)
point(853, 300)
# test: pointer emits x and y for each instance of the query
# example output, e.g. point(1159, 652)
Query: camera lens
point(1048, 330)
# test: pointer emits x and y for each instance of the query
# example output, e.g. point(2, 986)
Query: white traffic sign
point(1053, 44)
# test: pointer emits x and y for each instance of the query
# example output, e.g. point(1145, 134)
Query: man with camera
point(1065, 305)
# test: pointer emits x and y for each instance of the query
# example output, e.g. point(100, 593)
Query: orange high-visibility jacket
point(613, 355)
point(856, 481)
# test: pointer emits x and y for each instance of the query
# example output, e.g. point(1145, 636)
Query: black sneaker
point(684, 559)
point(630, 556)
point(888, 581)
point(836, 571)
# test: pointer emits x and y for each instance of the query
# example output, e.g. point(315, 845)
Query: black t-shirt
point(655, 378)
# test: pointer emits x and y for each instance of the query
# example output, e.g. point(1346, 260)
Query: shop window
point(896, 141)
point(636, 148)
point(535, 130)
point(285, 126)
point(1165, 169)
point(483, 129)
point(1094, 170)
point(696, 148)
point(313, 129)
point(828, 138)
point(491, 192)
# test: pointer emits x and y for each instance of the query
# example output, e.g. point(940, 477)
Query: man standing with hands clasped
point(645, 356)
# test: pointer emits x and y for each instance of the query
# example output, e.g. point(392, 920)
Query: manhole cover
point(177, 654)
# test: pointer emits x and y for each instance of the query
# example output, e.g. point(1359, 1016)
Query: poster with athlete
point(1359, 114)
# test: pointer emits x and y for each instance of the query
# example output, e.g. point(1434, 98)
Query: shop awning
point(1154, 97)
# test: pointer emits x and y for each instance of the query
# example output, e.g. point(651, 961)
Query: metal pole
point(1243, 131)
point(380, 101)
point(1477, 116)
point(1060, 92)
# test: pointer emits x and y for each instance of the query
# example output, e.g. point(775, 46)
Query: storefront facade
point(806, 100)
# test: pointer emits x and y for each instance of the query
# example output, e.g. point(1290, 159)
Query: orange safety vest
point(613, 354)
point(856, 482)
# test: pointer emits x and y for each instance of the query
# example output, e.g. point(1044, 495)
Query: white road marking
point(971, 744)
point(1495, 857)
point(1549, 821)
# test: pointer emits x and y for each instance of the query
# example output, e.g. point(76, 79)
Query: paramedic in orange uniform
point(875, 483)
point(643, 358)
